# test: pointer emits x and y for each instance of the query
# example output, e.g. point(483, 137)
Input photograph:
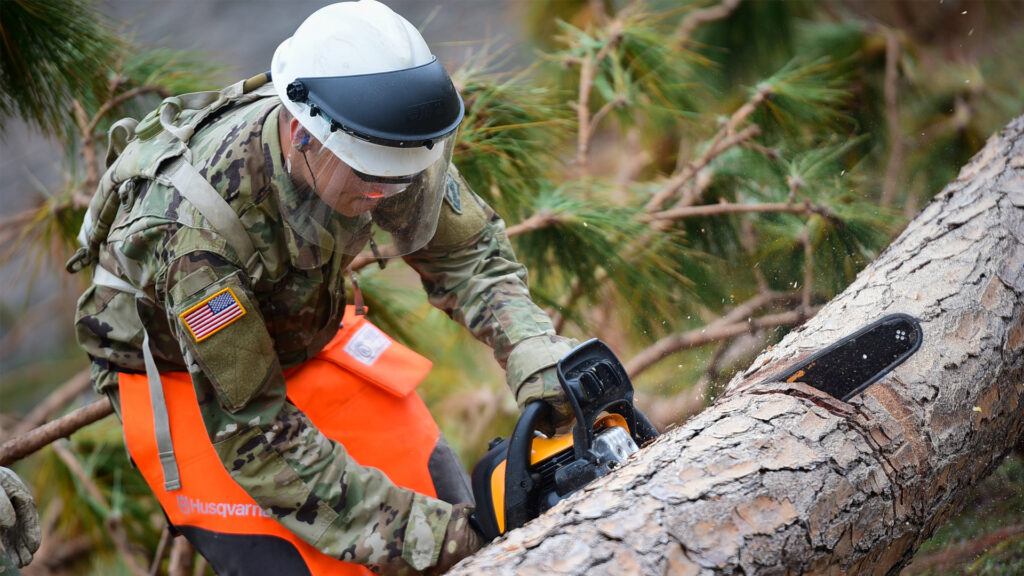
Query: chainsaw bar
point(847, 367)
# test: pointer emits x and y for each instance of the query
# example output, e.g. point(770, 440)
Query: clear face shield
point(378, 157)
point(384, 216)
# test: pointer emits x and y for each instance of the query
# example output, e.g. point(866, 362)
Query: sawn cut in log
point(781, 478)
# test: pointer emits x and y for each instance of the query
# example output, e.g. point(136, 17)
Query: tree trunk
point(781, 478)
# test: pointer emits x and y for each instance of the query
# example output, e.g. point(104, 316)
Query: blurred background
point(607, 133)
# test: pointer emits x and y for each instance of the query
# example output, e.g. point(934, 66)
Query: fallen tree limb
point(21, 446)
point(740, 320)
point(780, 478)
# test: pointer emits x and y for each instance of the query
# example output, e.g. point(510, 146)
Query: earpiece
point(301, 146)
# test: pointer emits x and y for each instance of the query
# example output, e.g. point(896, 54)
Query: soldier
point(220, 238)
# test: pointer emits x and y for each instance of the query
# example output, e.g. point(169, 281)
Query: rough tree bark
point(779, 479)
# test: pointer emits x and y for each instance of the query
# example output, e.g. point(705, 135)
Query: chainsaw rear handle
point(518, 481)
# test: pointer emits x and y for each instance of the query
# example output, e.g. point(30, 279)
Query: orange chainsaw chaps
point(383, 425)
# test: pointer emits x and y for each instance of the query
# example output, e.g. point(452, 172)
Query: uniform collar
point(306, 253)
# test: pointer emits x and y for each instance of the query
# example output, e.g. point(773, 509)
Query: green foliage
point(123, 496)
point(639, 75)
point(508, 140)
point(51, 51)
point(83, 80)
point(160, 73)
point(802, 100)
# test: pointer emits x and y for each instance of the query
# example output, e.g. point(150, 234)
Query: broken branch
point(21, 446)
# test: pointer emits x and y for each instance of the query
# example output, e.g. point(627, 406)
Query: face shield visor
point(379, 154)
point(383, 216)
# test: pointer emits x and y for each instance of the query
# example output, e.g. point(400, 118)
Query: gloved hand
point(532, 374)
point(544, 386)
point(460, 540)
point(19, 521)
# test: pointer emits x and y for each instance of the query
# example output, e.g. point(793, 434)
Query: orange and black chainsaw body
point(524, 475)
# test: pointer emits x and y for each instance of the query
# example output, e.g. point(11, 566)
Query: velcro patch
point(211, 315)
point(367, 344)
point(453, 194)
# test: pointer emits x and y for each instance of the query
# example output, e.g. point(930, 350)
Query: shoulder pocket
point(225, 334)
point(462, 218)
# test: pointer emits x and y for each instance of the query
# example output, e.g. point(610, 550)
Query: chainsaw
point(522, 476)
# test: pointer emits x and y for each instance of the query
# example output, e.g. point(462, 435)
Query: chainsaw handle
point(518, 483)
point(595, 382)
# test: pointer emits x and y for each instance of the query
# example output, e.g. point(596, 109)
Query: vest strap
point(161, 421)
point(201, 194)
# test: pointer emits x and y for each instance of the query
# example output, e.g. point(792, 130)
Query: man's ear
point(298, 135)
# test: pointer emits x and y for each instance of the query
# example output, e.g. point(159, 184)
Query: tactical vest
point(358, 391)
point(157, 149)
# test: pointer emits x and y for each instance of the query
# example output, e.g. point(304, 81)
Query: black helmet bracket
point(401, 108)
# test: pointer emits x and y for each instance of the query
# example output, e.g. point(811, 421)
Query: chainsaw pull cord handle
point(518, 483)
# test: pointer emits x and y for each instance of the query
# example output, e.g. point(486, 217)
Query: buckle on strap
point(79, 260)
point(169, 464)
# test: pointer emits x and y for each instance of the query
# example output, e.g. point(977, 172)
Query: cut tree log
point(783, 479)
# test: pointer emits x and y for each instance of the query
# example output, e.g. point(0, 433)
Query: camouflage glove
point(19, 521)
point(544, 385)
point(460, 540)
point(532, 374)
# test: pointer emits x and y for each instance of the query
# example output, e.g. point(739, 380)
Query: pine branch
point(116, 100)
point(586, 123)
point(723, 207)
point(161, 550)
point(183, 557)
point(21, 446)
point(962, 554)
point(724, 139)
point(87, 126)
point(538, 221)
point(88, 151)
point(698, 18)
point(737, 321)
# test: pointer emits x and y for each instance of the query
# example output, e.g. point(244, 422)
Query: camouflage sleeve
point(305, 480)
point(470, 271)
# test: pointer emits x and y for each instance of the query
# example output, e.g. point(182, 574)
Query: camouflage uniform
point(163, 247)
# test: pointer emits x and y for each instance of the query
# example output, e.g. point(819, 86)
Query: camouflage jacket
point(162, 246)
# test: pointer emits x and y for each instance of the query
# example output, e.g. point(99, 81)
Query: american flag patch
point(210, 315)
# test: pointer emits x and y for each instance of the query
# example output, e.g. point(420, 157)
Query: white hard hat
point(364, 83)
